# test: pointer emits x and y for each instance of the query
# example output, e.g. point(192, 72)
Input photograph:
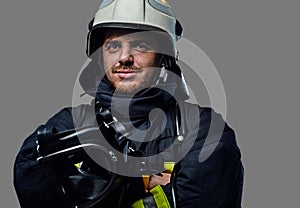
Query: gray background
point(253, 44)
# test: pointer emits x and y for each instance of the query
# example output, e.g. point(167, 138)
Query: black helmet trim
point(178, 30)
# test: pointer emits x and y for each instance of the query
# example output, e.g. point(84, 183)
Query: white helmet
point(151, 15)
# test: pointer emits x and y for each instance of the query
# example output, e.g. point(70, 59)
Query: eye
point(112, 46)
point(141, 46)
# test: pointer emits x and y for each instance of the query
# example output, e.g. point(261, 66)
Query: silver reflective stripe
point(162, 6)
point(105, 3)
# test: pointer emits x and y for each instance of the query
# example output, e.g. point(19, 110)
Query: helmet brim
point(96, 34)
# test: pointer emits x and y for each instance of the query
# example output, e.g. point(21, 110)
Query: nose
point(126, 57)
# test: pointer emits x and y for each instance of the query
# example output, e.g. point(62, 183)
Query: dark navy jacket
point(213, 178)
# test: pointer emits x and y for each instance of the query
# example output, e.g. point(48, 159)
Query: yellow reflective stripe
point(77, 165)
point(169, 166)
point(138, 204)
point(160, 197)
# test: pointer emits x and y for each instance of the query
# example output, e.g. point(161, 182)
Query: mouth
point(126, 74)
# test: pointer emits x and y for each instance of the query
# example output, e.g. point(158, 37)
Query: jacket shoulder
point(211, 169)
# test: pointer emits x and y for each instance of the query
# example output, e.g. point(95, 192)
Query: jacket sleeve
point(33, 181)
point(216, 180)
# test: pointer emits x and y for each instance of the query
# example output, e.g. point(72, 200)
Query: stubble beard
point(128, 87)
point(131, 87)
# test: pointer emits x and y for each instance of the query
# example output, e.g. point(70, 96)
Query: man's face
point(129, 60)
